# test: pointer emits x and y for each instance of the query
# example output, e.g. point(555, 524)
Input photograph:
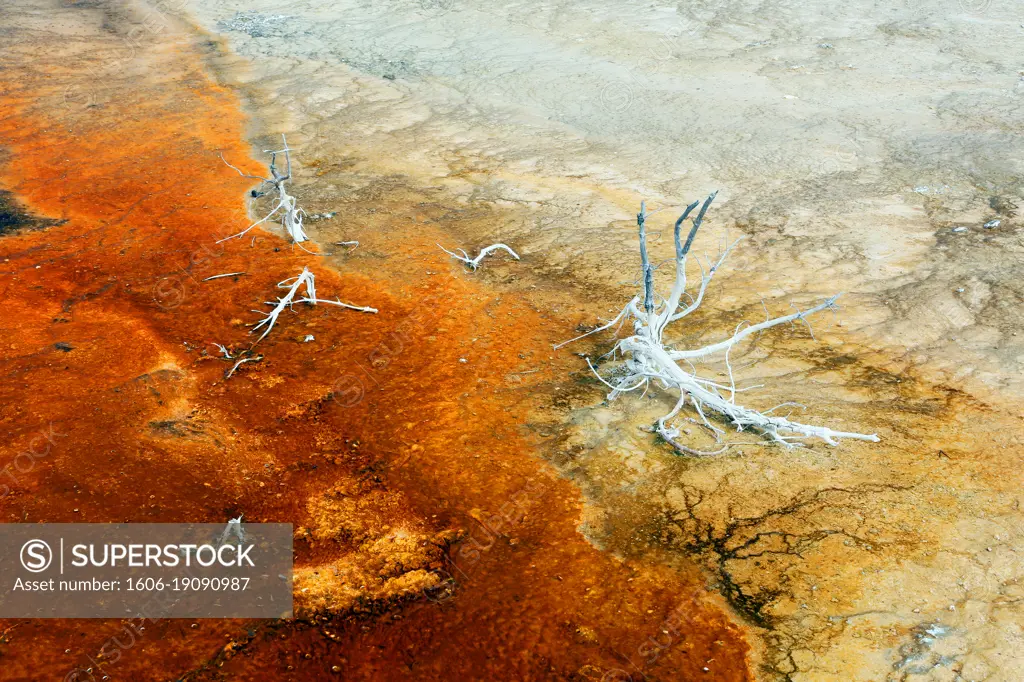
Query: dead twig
point(474, 263)
point(226, 274)
point(241, 362)
point(290, 214)
point(293, 284)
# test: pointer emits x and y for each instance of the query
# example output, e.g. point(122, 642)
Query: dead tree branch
point(648, 359)
point(287, 207)
point(474, 263)
point(242, 361)
point(226, 274)
point(293, 284)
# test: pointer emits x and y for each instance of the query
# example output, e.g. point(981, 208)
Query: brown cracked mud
point(437, 503)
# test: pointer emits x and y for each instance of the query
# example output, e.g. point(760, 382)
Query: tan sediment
point(400, 445)
point(863, 562)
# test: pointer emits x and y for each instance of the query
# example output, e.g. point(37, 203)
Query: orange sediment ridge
point(398, 463)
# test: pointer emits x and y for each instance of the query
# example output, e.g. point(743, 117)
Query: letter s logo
point(36, 556)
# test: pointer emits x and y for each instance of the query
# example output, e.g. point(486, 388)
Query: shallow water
point(430, 540)
point(847, 143)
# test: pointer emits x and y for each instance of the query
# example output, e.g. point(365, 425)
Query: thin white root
point(305, 278)
point(648, 359)
point(291, 214)
point(226, 274)
point(242, 361)
point(338, 302)
point(474, 263)
point(224, 351)
point(624, 313)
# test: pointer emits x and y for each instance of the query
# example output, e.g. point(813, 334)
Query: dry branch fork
point(648, 359)
point(474, 263)
point(291, 215)
point(293, 284)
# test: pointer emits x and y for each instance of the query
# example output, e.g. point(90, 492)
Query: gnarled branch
point(648, 359)
point(290, 214)
point(474, 263)
point(293, 284)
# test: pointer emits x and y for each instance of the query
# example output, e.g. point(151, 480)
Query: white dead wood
point(234, 527)
point(286, 208)
point(226, 274)
point(648, 359)
point(241, 361)
point(293, 284)
point(474, 263)
point(224, 351)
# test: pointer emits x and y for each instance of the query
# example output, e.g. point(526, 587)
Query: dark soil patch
point(14, 218)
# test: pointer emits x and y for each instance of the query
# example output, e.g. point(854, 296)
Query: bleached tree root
point(286, 208)
point(255, 358)
point(648, 359)
point(293, 284)
point(474, 263)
